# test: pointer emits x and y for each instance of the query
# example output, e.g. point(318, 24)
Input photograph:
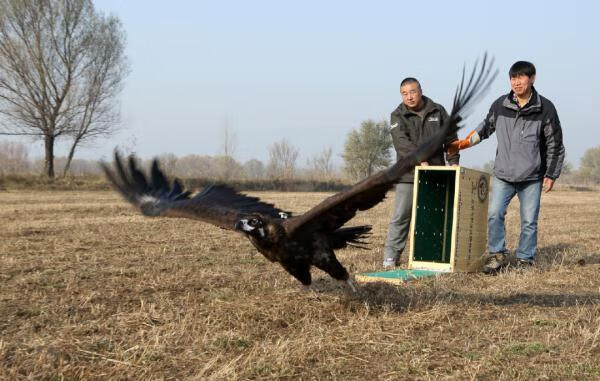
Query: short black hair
point(408, 80)
point(521, 68)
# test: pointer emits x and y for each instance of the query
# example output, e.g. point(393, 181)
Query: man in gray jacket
point(412, 122)
point(529, 158)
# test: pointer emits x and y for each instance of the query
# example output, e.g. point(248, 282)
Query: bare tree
point(61, 67)
point(13, 157)
point(226, 168)
point(254, 169)
point(282, 160)
point(168, 162)
point(226, 164)
point(320, 165)
point(195, 166)
point(229, 141)
point(80, 167)
point(186, 167)
point(367, 149)
point(589, 167)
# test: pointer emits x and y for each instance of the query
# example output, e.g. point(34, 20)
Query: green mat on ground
point(396, 276)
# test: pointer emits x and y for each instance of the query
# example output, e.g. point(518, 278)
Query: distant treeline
point(289, 185)
point(282, 165)
point(281, 173)
point(18, 171)
point(98, 182)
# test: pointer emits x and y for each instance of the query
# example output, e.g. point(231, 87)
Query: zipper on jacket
point(516, 120)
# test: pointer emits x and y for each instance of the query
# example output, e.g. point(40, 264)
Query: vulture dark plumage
point(296, 242)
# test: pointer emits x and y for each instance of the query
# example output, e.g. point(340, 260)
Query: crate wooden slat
point(449, 219)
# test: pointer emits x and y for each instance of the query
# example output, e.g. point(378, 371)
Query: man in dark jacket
point(529, 158)
point(416, 119)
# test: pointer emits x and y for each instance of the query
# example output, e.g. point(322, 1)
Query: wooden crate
point(449, 219)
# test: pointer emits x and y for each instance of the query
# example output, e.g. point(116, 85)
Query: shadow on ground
point(400, 298)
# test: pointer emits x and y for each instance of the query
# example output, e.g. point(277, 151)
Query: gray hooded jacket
point(530, 144)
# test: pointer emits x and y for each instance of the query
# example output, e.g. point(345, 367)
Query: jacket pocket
point(530, 131)
point(527, 159)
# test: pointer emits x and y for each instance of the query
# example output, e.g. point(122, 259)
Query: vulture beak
point(239, 226)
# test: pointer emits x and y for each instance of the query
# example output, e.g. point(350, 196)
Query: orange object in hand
point(457, 145)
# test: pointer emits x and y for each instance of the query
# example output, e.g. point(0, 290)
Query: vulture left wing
point(336, 210)
point(156, 196)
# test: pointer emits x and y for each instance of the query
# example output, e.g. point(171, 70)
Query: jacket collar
point(534, 104)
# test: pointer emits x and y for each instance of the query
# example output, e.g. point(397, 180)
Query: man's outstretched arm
point(482, 132)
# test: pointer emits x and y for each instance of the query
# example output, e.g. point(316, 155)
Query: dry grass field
point(90, 290)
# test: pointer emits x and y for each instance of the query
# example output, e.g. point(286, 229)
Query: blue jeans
point(529, 193)
point(399, 224)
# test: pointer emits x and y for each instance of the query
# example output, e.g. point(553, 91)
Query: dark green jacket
point(409, 130)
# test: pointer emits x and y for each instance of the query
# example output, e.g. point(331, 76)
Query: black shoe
point(495, 262)
point(523, 264)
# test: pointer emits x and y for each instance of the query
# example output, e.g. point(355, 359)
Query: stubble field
point(90, 289)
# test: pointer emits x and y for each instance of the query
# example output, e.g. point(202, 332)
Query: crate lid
point(396, 276)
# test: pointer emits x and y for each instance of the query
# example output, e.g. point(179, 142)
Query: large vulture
point(296, 242)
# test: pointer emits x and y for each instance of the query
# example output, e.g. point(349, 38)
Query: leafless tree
point(282, 160)
point(320, 166)
point(168, 162)
point(62, 65)
point(13, 157)
point(226, 168)
point(229, 142)
point(186, 167)
point(195, 166)
point(226, 164)
point(254, 169)
point(79, 167)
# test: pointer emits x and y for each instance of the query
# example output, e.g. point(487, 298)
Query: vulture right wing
point(338, 209)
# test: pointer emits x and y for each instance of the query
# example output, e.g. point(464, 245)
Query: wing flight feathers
point(156, 196)
point(336, 210)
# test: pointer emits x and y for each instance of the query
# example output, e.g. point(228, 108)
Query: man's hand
point(453, 147)
point(469, 141)
point(424, 164)
point(548, 184)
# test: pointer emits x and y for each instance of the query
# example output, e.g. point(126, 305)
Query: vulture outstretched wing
point(155, 196)
point(336, 210)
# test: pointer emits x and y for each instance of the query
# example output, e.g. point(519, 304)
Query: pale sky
point(310, 71)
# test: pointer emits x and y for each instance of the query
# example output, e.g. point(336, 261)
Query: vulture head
point(252, 225)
